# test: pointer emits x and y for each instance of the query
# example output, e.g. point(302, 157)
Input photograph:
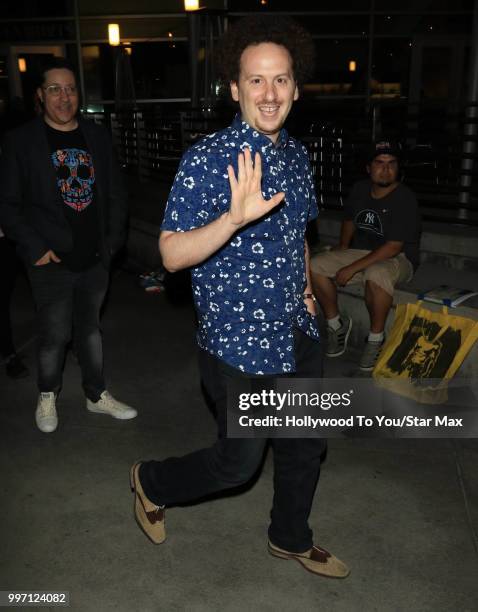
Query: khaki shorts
point(386, 274)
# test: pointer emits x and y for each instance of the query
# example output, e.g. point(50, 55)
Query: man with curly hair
point(236, 216)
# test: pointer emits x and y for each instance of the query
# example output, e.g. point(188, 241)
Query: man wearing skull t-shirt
point(75, 173)
point(382, 225)
point(63, 204)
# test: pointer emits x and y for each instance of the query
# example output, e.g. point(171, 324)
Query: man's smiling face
point(266, 88)
point(60, 107)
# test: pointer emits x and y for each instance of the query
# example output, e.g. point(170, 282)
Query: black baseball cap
point(385, 147)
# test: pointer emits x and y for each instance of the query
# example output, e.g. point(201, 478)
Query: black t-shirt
point(376, 221)
point(76, 182)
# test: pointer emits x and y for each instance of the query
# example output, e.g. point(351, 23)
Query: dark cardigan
point(31, 211)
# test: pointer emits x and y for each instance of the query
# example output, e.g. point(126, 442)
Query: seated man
point(381, 216)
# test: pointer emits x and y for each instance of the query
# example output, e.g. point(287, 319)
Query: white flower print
point(257, 273)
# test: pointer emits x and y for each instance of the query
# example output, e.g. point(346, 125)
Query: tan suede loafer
point(316, 560)
point(150, 518)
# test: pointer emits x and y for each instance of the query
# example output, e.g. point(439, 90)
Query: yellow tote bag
point(423, 352)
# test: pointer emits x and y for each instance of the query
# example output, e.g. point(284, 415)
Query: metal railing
point(150, 143)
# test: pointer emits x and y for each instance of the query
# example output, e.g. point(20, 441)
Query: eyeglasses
point(55, 90)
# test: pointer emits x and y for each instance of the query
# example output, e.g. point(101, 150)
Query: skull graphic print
point(75, 177)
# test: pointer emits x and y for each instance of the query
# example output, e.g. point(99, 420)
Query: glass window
point(436, 78)
point(337, 24)
point(131, 29)
point(391, 67)
point(396, 24)
point(38, 8)
point(426, 7)
point(335, 74)
point(159, 70)
point(92, 71)
point(299, 5)
point(411, 25)
point(328, 25)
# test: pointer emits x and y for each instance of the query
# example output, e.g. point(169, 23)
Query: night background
point(402, 512)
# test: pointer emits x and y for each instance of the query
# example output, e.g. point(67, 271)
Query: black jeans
point(67, 301)
point(231, 461)
point(9, 267)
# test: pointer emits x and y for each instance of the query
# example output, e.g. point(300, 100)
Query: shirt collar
point(246, 131)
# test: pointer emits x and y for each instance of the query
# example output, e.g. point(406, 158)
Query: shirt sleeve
point(194, 199)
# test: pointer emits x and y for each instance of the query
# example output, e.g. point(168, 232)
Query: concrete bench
point(448, 255)
point(453, 247)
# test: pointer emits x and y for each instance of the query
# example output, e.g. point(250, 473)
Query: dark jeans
point(67, 301)
point(9, 267)
point(231, 462)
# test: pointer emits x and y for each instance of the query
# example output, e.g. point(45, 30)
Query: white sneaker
point(45, 414)
point(107, 404)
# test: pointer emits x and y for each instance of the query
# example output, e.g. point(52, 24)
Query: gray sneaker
point(370, 355)
point(337, 338)
point(45, 414)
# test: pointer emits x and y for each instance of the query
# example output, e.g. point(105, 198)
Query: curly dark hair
point(257, 29)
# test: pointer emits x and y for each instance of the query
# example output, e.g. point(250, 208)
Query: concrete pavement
point(402, 513)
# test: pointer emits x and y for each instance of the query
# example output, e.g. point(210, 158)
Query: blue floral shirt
point(248, 294)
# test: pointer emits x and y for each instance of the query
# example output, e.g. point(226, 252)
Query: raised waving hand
point(247, 203)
